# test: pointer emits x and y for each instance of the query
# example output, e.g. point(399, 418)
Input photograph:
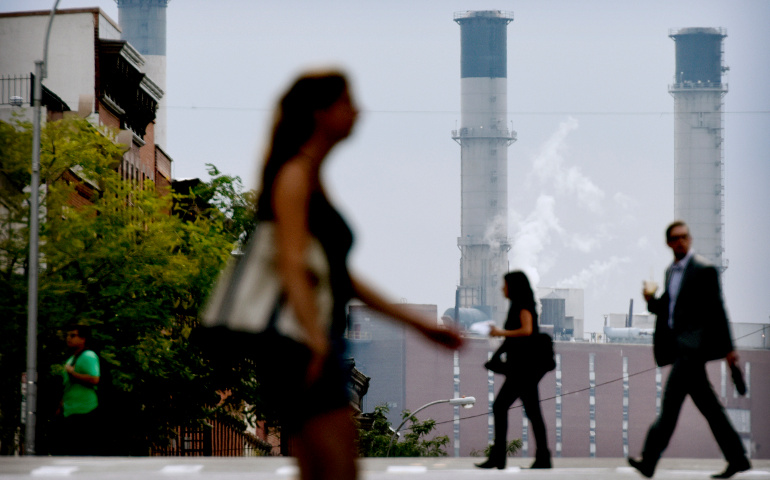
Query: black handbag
point(545, 357)
point(740, 384)
point(539, 348)
point(496, 363)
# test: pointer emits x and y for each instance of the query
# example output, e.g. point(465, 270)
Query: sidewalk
point(279, 468)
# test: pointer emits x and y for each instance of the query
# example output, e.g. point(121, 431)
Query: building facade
point(96, 74)
point(599, 402)
point(143, 25)
point(562, 312)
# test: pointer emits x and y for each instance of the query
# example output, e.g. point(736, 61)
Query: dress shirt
point(674, 283)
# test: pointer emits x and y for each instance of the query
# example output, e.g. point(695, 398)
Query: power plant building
point(698, 136)
point(561, 312)
point(484, 139)
point(598, 402)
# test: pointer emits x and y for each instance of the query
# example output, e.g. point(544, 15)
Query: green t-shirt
point(79, 398)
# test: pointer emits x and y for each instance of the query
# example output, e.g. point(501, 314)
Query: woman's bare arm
point(447, 337)
point(83, 378)
point(291, 196)
point(526, 327)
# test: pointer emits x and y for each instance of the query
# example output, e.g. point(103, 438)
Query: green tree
point(512, 448)
point(124, 265)
point(374, 442)
point(14, 145)
point(226, 198)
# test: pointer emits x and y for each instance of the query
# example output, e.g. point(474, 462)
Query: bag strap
point(75, 361)
point(76, 357)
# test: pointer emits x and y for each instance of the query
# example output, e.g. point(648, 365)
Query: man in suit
point(691, 329)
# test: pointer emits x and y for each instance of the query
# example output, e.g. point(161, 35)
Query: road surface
point(280, 468)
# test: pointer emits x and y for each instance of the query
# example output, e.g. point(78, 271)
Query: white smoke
point(533, 234)
point(540, 239)
point(597, 269)
point(549, 168)
point(496, 232)
point(582, 242)
point(624, 201)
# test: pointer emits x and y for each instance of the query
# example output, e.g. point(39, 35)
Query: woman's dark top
point(327, 225)
point(517, 347)
point(336, 238)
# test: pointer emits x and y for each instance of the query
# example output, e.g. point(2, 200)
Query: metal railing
point(721, 31)
point(16, 89)
point(688, 85)
point(509, 136)
point(504, 14)
point(217, 440)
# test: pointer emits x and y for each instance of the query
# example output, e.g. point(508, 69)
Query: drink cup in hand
point(649, 288)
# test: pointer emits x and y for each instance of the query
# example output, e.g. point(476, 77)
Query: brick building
point(599, 402)
point(95, 74)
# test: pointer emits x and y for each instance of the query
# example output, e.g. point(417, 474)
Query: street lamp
point(466, 402)
point(34, 211)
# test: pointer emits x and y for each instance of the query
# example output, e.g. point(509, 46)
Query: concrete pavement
point(279, 468)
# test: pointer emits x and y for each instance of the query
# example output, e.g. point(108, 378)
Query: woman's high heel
point(542, 461)
point(496, 459)
point(492, 463)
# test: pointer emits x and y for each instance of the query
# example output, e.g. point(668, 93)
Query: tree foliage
point(512, 448)
point(122, 264)
point(225, 197)
point(375, 442)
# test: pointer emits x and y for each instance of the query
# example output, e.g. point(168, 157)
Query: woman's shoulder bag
point(249, 296)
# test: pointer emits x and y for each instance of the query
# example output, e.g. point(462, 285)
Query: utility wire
point(457, 112)
point(519, 405)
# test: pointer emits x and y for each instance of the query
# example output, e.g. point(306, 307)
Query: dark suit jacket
point(701, 331)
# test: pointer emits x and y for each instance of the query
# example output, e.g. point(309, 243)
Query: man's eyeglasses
point(674, 238)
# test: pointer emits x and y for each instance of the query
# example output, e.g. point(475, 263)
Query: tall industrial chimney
point(484, 139)
point(144, 26)
point(698, 136)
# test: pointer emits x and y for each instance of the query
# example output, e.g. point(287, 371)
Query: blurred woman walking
point(521, 376)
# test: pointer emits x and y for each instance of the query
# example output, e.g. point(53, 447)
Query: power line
point(519, 405)
point(457, 112)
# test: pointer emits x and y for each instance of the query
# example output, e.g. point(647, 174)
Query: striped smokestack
point(484, 139)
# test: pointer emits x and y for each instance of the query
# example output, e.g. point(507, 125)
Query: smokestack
point(484, 139)
point(698, 138)
point(143, 23)
point(630, 318)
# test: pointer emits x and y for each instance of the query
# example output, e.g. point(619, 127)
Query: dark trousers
point(80, 435)
point(690, 378)
point(525, 388)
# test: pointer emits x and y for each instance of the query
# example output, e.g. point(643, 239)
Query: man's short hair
point(677, 223)
point(84, 331)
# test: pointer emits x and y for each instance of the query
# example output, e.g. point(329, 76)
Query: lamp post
point(466, 402)
point(34, 261)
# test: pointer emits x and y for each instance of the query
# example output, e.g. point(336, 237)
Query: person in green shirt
point(80, 401)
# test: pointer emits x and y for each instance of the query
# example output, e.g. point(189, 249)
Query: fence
point(219, 440)
point(16, 87)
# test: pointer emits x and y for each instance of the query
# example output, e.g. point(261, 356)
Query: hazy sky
point(590, 177)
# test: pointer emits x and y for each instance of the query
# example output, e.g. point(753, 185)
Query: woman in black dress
point(521, 378)
point(315, 114)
